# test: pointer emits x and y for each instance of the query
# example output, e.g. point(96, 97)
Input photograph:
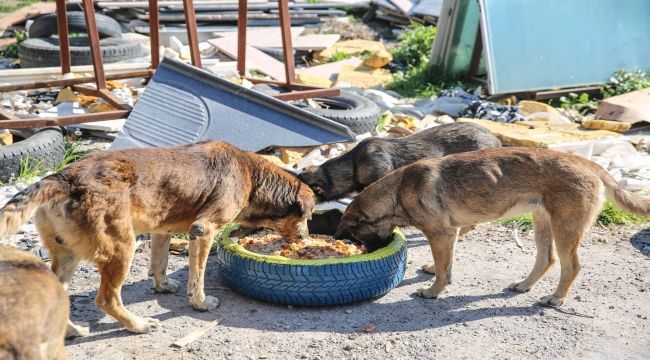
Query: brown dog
point(375, 157)
point(94, 208)
point(564, 193)
point(34, 308)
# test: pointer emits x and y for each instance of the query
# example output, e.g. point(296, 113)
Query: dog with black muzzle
point(564, 193)
point(375, 157)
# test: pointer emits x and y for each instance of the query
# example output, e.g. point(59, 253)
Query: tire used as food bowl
point(320, 282)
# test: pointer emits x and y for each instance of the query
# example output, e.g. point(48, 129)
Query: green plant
point(624, 82)
point(72, 154)
point(30, 168)
point(524, 223)
point(414, 76)
point(608, 216)
point(579, 102)
point(414, 47)
point(11, 51)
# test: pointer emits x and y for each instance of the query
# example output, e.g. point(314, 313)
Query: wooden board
point(331, 70)
point(537, 134)
point(268, 37)
point(263, 62)
point(26, 13)
point(315, 41)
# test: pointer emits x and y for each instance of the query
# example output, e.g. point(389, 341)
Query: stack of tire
point(42, 49)
point(43, 145)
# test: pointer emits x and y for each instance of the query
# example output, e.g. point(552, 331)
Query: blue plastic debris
point(184, 104)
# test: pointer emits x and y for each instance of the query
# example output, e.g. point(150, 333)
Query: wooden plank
point(315, 41)
point(331, 70)
point(26, 13)
point(194, 335)
point(162, 4)
point(263, 62)
point(268, 37)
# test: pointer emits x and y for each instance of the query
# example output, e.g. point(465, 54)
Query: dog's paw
point(145, 325)
point(428, 293)
point(552, 300)
point(429, 268)
point(520, 287)
point(74, 331)
point(210, 303)
point(169, 287)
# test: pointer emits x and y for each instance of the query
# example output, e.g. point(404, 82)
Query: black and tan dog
point(34, 308)
point(373, 158)
point(564, 192)
point(94, 208)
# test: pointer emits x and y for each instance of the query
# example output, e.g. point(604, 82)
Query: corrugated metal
point(184, 104)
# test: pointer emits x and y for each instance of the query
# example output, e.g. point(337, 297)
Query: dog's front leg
point(158, 264)
point(442, 248)
point(200, 243)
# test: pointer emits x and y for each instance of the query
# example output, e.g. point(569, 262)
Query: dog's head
point(330, 181)
point(374, 231)
point(290, 221)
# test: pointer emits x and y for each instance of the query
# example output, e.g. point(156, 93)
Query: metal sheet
point(184, 104)
point(544, 44)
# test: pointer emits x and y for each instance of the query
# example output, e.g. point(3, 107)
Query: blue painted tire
point(311, 282)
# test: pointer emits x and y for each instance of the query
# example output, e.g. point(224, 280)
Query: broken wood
point(194, 335)
point(263, 62)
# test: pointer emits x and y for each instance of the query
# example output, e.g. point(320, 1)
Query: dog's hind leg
point(113, 271)
point(158, 264)
point(545, 252)
point(442, 247)
point(64, 262)
point(201, 235)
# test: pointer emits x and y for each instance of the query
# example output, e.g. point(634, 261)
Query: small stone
point(353, 336)
point(348, 311)
point(542, 313)
point(347, 347)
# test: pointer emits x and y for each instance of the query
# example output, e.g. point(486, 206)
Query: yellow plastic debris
point(378, 59)
point(100, 107)
point(364, 77)
point(65, 95)
point(6, 138)
point(527, 107)
point(313, 80)
point(606, 125)
point(350, 47)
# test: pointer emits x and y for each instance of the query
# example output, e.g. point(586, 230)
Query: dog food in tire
point(358, 113)
point(44, 52)
point(45, 26)
point(321, 282)
point(39, 144)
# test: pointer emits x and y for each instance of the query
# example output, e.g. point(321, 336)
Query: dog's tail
point(23, 205)
point(623, 199)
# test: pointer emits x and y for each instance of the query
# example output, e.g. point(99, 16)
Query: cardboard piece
point(631, 108)
point(364, 77)
point(331, 70)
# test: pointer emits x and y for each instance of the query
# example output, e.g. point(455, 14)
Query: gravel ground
point(606, 315)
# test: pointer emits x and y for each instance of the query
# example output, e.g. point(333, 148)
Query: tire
point(355, 111)
point(42, 144)
point(45, 26)
point(311, 282)
point(44, 52)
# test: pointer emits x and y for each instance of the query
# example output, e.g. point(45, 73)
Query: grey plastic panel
point(184, 104)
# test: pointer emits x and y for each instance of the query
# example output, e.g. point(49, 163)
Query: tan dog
point(34, 308)
point(439, 196)
point(94, 208)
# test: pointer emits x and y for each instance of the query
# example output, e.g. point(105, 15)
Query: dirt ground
point(606, 315)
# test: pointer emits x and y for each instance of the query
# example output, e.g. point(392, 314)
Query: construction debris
point(631, 108)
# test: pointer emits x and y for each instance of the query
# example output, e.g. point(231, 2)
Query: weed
point(72, 154)
point(523, 223)
point(414, 48)
point(30, 169)
point(624, 82)
point(581, 103)
point(608, 216)
point(11, 51)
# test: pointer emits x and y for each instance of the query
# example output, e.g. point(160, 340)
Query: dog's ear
point(306, 200)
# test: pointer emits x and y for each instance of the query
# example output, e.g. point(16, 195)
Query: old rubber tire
point(40, 144)
point(358, 113)
point(45, 26)
point(44, 52)
point(311, 282)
